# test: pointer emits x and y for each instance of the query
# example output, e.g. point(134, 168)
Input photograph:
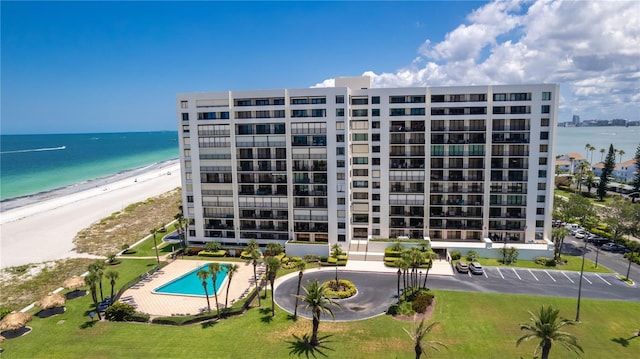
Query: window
point(184, 104)
point(341, 225)
point(417, 112)
point(396, 99)
point(342, 238)
point(360, 160)
point(375, 100)
point(542, 161)
point(360, 137)
point(375, 197)
point(544, 148)
point(545, 109)
point(185, 116)
point(360, 184)
point(300, 101)
point(340, 163)
point(339, 99)
point(319, 112)
point(339, 138)
point(544, 135)
point(339, 112)
point(542, 174)
point(375, 137)
point(360, 101)
point(278, 113)
point(375, 124)
point(361, 172)
point(360, 195)
point(341, 201)
point(340, 176)
point(539, 223)
point(542, 186)
point(397, 112)
point(499, 97)
point(262, 102)
point(375, 149)
point(540, 211)
point(375, 112)
point(360, 113)
point(546, 96)
point(544, 122)
point(375, 161)
point(339, 151)
point(340, 125)
point(278, 101)
point(376, 209)
point(319, 100)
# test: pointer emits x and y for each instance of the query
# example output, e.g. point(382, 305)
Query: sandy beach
point(42, 227)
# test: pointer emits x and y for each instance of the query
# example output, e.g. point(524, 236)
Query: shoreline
point(41, 227)
point(25, 200)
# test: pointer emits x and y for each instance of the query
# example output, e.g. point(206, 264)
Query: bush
point(421, 302)
point(350, 290)
point(245, 255)
point(394, 309)
point(455, 255)
point(311, 258)
point(193, 251)
point(472, 255)
point(219, 253)
point(633, 256)
point(119, 312)
point(343, 257)
point(324, 259)
point(138, 317)
point(4, 311)
point(406, 309)
point(390, 252)
point(332, 260)
point(602, 233)
point(544, 261)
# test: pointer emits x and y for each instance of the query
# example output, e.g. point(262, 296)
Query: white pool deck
point(157, 304)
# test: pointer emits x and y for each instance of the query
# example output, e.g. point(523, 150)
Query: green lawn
point(146, 248)
point(573, 264)
point(472, 325)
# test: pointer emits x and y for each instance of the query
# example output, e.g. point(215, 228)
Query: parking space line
point(587, 279)
point(602, 279)
point(485, 274)
point(553, 279)
point(534, 276)
point(565, 274)
point(516, 273)
point(500, 273)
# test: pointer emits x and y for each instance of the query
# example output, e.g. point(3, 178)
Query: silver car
point(475, 268)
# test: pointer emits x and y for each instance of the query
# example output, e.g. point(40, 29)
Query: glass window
point(539, 210)
point(339, 112)
point(545, 109)
point(544, 135)
point(375, 137)
point(546, 96)
point(542, 174)
point(544, 148)
point(360, 113)
point(541, 199)
point(360, 160)
point(544, 122)
point(339, 99)
point(375, 112)
point(360, 101)
point(375, 99)
point(184, 104)
point(339, 151)
point(360, 137)
point(185, 116)
point(542, 186)
point(339, 138)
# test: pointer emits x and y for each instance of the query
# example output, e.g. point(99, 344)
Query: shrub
point(324, 259)
point(549, 262)
point(350, 290)
point(296, 259)
point(245, 255)
point(602, 233)
point(343, 257)
point(389, 252)
point(332, 260)
point(421, 302)
point(633, 256)
point(138, 317)
point(212, 246)
point(472, 255)
point(311, 258)
point(4, 311)
point(455, 255)
point(406, 309)
point(119, 312)
point(193, 251)
point(393, 309)
point(219, 253)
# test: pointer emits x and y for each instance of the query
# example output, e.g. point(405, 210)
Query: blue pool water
point(190, 284)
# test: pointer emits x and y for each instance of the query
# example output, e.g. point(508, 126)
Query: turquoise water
point(190, 284)
point(574, 139)
point(31, 164)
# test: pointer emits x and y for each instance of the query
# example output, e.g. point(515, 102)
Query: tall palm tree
point(590, 180)
point(231, 270)
point(546, 326)
point(255, 256)
point(97, 267)
point(418, 333)
point(602, 152)
point(92, 281)
point(587, 147)
point(621, 153)
point(154, 231)
point(404, 267)
point(300, 267)
point(214, 269)
point(430, 256)
point(319, 302)
point(112, 276)
point(583, 167)
point(204, 275)
point(557, 235)
point(273, 265)
point(591, 149)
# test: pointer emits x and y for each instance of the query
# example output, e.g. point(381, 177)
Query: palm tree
point(602, 152)
point(546, 326)
point(97, 267)
point(336, 250)
point(255, 256)
point(274, 248)
point(92, 280)
point(557, 235)
point(231, 270)
point(621, 153)
point(112, 276)
point(583, 167)
point(214, 269)
point(591, 149)
point(417, 335)
point(204, 275)
point(572, 160)
point(590, 180)
point(587, 147)
point(319, 302)
point(273, 265)
point(300, 267)
point(154, 231)
point(430, 256)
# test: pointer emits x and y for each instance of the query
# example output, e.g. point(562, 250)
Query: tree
point(591, 149)
point(319, 302)
point(546, 326)
point(636, 178)
point(557, 235)
point(92, 281)
point(587, 147)
point(112, 276)
point(97, 267)
point(212, 246)
point(573, 161)
point(583, 168)
point(231, 270)
point(509, 254)
point(255, 256)
point(609, 165)
point(214, 269)
point(430, 256)
point(590, 181)
point(273, 249)
point(153, 232)
point(619, 218)
point(300, 267)
point(578, 208)
point(602, 152)
point(273, 265)
point(418, 333)
point(204, 275)
point(182, 232)
point(336, 250)
point(621, 153)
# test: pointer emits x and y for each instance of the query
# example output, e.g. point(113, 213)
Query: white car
point(582, 234)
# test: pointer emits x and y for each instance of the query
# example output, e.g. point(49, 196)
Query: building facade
point(351, 163)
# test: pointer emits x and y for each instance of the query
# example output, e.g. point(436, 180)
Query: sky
point(81, 67)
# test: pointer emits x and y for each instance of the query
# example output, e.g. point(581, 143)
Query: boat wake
point(36, 150)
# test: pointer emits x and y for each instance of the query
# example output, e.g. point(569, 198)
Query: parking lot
point(551, 282)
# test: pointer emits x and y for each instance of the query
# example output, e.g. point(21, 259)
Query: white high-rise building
point(333, 165)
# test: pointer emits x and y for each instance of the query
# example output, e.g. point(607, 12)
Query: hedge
point(218, 253)
point(350, 292)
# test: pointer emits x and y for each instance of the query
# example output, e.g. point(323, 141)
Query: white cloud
point(591, 48)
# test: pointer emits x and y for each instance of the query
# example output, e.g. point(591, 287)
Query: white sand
point(45, 230)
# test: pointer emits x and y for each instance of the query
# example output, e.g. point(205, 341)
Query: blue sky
point(117, 66)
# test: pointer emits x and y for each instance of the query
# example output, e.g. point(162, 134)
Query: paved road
point(376, 291)
point(614, 261)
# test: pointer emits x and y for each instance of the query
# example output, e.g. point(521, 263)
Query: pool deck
point(156, 304)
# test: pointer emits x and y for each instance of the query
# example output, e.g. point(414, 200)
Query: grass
point(477, 325)
point(128, 226)
point(573, 264)
point(593, 197)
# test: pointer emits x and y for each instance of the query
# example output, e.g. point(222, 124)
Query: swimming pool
point(190, 284)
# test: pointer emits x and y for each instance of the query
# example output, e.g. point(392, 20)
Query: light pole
point(584, 251)
point(399, 274)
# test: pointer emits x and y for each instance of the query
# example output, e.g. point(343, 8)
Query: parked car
point(598, 241)
point(462, 267)
point(475, 268)
point(582, 234)
point(614, 247)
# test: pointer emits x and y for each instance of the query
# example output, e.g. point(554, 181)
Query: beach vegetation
point(318, 301)
point(546, 325)
point(417, 335)
point(119, 312)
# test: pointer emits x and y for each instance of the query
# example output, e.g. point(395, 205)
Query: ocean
point(31, 164)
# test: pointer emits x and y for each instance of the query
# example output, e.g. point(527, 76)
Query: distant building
point(618, 122)
point(625, 171)
point(573, 158)
point(576, 120)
